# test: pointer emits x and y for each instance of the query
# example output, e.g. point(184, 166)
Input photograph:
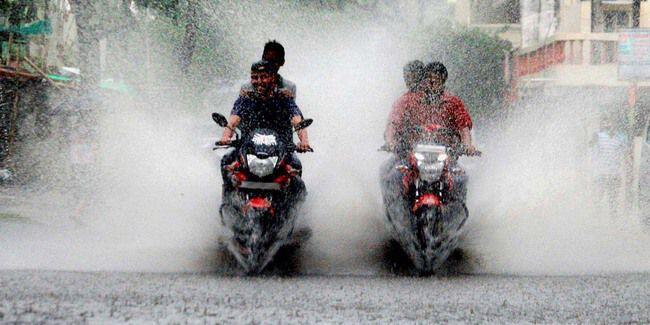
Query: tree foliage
point(169, 8)
point(475, 61)
point(18, 11)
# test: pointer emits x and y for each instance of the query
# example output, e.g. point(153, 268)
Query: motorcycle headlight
point(261, 166)
point(430, 160)
point(430, 170)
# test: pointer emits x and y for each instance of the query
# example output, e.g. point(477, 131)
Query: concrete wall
point(463, 12)
point(570, 17)
point(645, 14)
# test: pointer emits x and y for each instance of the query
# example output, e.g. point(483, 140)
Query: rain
point(110, 190)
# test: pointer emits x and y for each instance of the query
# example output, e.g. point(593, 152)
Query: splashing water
point(156, 184)
point(536, 207)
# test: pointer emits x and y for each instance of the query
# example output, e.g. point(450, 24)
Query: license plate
point(260, 185)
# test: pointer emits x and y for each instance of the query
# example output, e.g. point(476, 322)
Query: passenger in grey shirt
point(274, 53)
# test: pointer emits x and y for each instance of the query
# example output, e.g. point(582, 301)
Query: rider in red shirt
point(430, 103)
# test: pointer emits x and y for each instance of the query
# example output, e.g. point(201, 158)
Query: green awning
point(57, 77)
point(41, 27)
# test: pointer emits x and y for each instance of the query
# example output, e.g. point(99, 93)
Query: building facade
point(568, 50)
point(558, 42)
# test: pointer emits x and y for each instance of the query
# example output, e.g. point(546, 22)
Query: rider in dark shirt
point(266, 107)
point(273, 113)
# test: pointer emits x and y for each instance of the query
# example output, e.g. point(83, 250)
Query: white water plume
point(157, 194)
point(156, 186)
point(536, 207)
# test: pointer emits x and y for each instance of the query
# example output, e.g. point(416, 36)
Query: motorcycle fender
point(258, 203)
point(426, 199)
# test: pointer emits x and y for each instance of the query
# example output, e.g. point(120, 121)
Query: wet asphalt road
point(70, 297)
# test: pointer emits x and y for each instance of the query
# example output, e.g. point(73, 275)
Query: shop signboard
point(634, 54)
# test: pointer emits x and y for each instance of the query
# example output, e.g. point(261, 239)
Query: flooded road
point(75, 297)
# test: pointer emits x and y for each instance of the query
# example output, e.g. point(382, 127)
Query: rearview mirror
point(220, 120)
point(304, 124)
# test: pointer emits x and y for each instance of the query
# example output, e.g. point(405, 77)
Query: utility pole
point(597, 16)
point(637, 141)
point(87, 41)
point(189, 40)
point(636, 13)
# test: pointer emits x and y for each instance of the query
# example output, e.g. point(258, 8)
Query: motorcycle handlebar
point(226, 144)
point(462, 151)
point(236, 144)
point(295, 148)
point(303, 151)
point(385, 147)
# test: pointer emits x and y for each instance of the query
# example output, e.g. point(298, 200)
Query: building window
point(610, 16)
point(615, 20)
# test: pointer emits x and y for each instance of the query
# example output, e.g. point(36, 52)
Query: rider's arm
point(296, 118)
point(302, 134)
point(463, 123)
point(466, 137)
point(395, 121)
point(239, 107)
point(229, 130)
point(389, 134)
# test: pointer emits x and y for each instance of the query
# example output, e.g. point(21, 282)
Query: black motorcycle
point(262, 196)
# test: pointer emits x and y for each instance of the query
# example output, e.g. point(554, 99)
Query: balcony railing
point(591, 49)
point(617, 2)
point(539, 59)
point(604, 52)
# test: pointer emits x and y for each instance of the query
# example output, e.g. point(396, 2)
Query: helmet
point(436, 68)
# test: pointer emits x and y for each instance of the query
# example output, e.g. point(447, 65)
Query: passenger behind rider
point(413, 72)
point(264, 107)
point(430, 103)
point(274, 54)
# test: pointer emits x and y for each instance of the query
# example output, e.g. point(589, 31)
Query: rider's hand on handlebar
point(224, 142)
point(387, 147)
point(303, 147)
point(470, 150)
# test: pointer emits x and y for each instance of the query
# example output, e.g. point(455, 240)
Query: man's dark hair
point(274, 46)
point(413, 74)
point(436, 68)
point(415, 66)
point(263, 66)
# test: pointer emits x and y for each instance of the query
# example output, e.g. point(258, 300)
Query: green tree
point(475, 61)
point(18, 11)
point(98, 20)
point(169, 8)
point(183, 15)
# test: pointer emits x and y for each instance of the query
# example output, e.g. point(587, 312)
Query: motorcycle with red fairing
point(424, 192)
point(261, 199)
